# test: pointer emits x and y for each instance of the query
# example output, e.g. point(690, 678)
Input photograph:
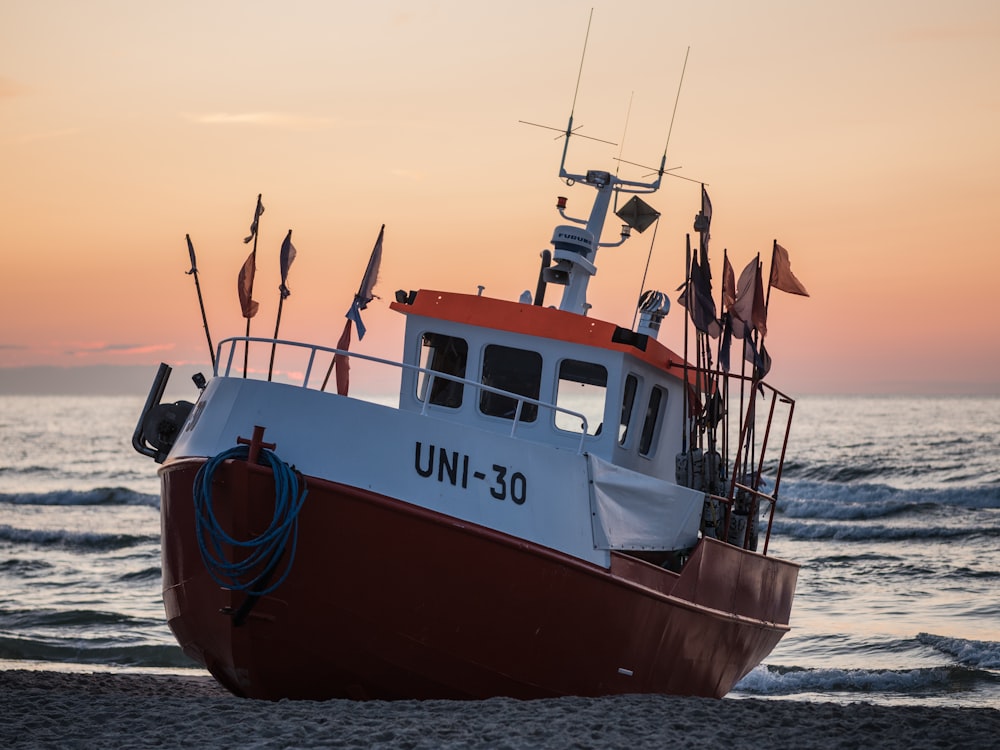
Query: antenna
point(563, 133)
point(576, 91)
point(673, 116)
point(628, 114)
point(579, 73)
point(669, 172)
point(661, 172)
point(570, 130)
point(677, 99)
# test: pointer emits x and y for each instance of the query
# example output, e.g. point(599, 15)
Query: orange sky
point(862, 135)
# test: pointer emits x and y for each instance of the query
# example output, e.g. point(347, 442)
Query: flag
point(781, 273)
point(286, 258)
point(245, 287)
point(194, 263)
point(365, 295)
point(341, 362)
point(703, 221)
point(715, 408)
point(759, 315)
point(727, 341)
point(765, 361)
point(696, 297)
point(256, 217)
point(702, 224)
point(728, 284)
point(749, 305)
point(761, 359)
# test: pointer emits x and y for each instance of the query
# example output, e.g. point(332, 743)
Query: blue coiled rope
point(254, 571)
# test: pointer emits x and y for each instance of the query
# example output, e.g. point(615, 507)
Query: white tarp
point(635, 511)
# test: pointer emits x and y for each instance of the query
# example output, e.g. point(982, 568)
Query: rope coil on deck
point(252, 573)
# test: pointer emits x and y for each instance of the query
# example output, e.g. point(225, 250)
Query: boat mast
point(575, 248)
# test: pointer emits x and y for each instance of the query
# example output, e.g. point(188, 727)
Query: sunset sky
point(863, 135)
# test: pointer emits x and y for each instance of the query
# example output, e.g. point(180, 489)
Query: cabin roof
point(544, 322)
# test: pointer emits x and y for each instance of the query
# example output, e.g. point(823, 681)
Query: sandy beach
point(113, 710)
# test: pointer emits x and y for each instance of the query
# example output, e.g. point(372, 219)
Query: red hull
point(387, 600)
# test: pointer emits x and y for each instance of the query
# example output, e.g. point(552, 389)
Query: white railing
point(224, 369)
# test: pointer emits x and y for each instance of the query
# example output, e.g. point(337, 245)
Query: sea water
point(890, 504)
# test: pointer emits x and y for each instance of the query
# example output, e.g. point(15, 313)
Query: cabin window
point(647, 441)
point(515, 370)
point(628, 401)
point(582, 387)
point(444, 354)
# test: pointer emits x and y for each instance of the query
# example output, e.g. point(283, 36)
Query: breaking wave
point(972, 666)
point(802, 499)
point(969, 653)
point(778, 681)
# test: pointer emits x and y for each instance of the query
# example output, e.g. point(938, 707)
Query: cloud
point(88, 349)
point(262, 119)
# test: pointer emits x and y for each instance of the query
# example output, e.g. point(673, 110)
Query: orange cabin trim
point(532, 320)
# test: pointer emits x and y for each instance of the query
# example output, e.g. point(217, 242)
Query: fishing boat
point(551, 505)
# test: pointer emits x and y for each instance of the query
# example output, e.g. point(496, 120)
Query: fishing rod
point(285, 258)
point(201, 303)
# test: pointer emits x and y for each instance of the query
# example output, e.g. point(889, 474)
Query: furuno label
point(456, 469)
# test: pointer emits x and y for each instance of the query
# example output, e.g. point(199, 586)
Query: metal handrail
point(730, 501)
point(746, 468)
point(432, 375)
point(758, 496)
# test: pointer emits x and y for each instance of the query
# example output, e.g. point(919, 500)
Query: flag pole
point(361, 299)
point(343, 344)
point(770, 273)
point(274, 342)
point(286, 257)
point(688, 297)
point(725, 317)
point(253, 230)
point(707, 381)
point(743, 361)
point(201, 302)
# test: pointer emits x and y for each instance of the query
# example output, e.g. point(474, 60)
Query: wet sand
point(41, 709)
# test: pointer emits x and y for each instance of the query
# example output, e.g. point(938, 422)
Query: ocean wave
point(77, 652)
point(97, 496)
point(968, 653)
point(775, 680)
point(84, 541)
point(801, 499)
point(20, 567)
point(832, 471)
point(147, 574)
point(965, 573)
point(63, 619)
point(815, 531)
point(33, 469)
point(907, 468)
